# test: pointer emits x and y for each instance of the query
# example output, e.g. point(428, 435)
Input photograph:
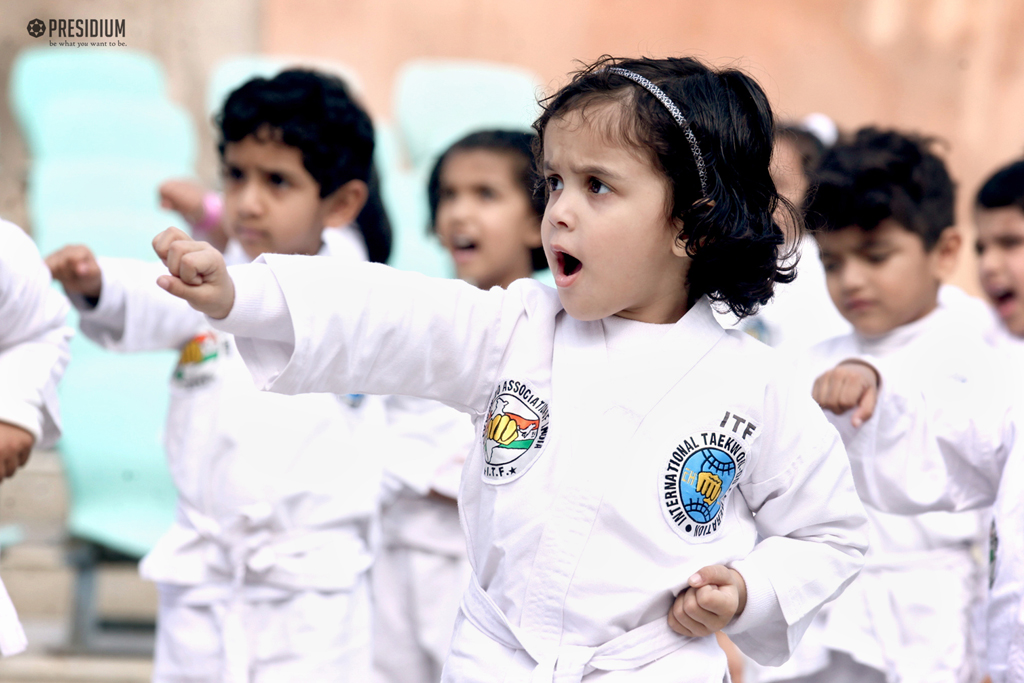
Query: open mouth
point(568, 267)
point(462, 247)
point(1004, 300)
point(569, 264)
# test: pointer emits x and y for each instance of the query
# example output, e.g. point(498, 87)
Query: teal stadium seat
point(40, 76)
point(233, 71)
point(58, 191)
point(122, 493)
point(116, 127)
point(436, 102)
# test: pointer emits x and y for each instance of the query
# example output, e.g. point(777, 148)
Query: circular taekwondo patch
point(515, 431)
point(696, 482)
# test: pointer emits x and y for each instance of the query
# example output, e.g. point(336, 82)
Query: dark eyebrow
point(596, 171)
point(600, 171)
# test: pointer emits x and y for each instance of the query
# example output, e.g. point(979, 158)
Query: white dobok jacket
point(950, 440)
point(614, 460)
point(34, 338)
point(889, 618)
point(274, 492)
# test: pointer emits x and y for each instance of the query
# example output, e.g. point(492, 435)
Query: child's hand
point(851, 384)
point(15, 446)
point(76, 268)
point(198, 273)
point(184, 197)
point(716, 594)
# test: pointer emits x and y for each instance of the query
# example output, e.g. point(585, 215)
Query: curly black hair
point(1004, 188)
point(315, 113)
point(516, 144)
point(735, 244)
point(880, 174)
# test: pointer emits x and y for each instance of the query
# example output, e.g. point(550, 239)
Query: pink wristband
point(213, 209)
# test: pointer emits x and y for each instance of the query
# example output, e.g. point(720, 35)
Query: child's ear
point(679, 240)
point(342, 206)
point(946, 252)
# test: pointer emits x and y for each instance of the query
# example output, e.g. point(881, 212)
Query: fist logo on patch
point(515, 431)
point(36, 28)
point(710, 486)
point(504, 428)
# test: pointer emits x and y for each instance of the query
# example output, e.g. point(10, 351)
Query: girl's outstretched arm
point(307, 324)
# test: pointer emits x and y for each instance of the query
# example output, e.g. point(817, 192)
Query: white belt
point(569, 663)
point(878, 601)
point(252, 544)
point(12, 635)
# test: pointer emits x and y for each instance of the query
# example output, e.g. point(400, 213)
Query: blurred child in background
point(264, 574)
point(34, 338)
point(882, 210)
point(486, 209)
point(999, 220)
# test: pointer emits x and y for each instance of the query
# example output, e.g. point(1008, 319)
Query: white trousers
point(305, 637)
point(416, 599)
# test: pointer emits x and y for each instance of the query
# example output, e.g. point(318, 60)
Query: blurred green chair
point(60, 190)
point(414, 247)
point(113, 409)
point(232, 72)
point(121, 496)
point(40, 76)
point(436, 102)
point(94, 127)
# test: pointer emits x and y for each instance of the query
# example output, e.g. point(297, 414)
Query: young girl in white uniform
point(34, 338)
point(264, 575)
point(642, 478)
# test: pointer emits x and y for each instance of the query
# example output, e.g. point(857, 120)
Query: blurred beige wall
point(949, 68)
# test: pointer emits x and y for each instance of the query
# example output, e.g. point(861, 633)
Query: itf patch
point(698, 477)
point(515, 431)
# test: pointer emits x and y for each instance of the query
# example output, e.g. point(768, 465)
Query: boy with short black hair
point(263, 575)
point(883, 215)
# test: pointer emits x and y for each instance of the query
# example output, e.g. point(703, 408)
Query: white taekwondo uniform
point(34, 338)
point(263, 574)
point(422, 568)
point(615, 459)
point(889, 619)
point(951, 440)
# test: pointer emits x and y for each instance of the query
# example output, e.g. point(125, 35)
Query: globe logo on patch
point(36, 28)
point(696, 482)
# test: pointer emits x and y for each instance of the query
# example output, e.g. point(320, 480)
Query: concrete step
point(50, 669)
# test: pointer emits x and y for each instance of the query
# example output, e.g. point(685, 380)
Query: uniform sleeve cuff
point(762, 602)
point(260, 310)
point(24, 415)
